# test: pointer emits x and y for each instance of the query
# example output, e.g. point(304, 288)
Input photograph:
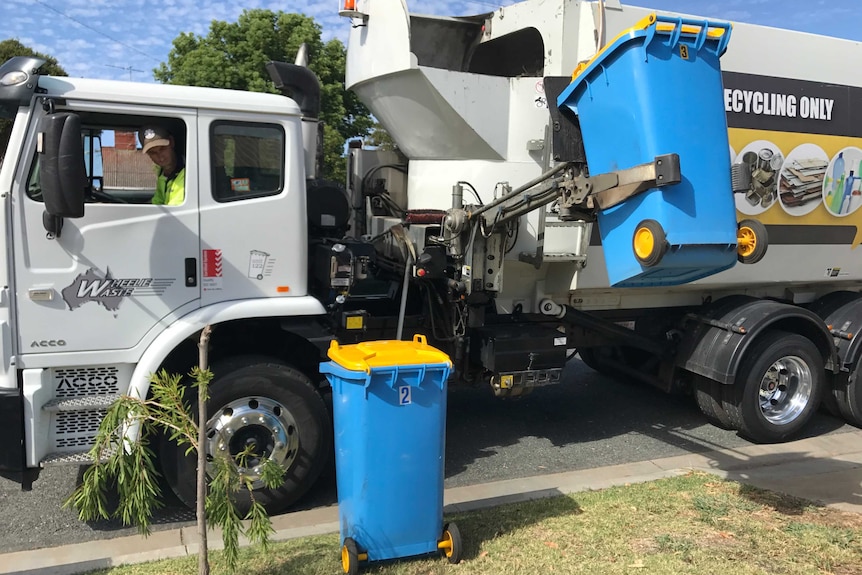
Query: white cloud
point(88, 13)
point(139, 33)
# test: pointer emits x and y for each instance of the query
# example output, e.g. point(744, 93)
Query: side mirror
point(61, 165)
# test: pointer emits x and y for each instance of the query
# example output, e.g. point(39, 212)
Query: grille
point(77, 428)
point(84, 381)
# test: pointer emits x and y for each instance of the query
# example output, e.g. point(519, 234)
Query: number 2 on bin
point(405, 396)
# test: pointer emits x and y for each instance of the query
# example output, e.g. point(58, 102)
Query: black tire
point(707, 394)
point(832, 398)
point(754, 232)
point(848, 398)
point(591, 358)
point(649, 252)
point(778, 387)
point(454, 547)
point(841, 399)
point(287, 401)
point(607, 359)
point(350, 557)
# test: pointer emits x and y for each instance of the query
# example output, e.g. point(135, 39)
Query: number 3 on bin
point(405, 395)
point(683, 51)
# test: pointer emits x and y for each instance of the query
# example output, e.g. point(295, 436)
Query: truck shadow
point(790, 482)
point(588, 421)
point(174, 514)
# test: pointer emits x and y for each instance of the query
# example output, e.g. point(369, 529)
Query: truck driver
point(158, 143)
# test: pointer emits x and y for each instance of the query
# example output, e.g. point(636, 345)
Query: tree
point(8, 49)
point(379, 138)
point(130, 466)
point(233, 54)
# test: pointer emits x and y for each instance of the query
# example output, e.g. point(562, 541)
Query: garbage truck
point(675, 198)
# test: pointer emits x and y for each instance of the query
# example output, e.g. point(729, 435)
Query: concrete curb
point(827, 469)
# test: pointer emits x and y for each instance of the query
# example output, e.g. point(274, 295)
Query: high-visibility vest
point(170, 192)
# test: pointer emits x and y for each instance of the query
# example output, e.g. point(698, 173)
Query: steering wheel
point(104, 198)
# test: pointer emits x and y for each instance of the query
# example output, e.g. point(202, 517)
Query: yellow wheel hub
point(446, 545)
point(746, 241)
point(644, 243)
point(345, 559)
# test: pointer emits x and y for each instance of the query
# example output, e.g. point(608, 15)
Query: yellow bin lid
point(368, 355)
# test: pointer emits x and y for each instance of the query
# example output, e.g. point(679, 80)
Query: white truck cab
point(100, 285)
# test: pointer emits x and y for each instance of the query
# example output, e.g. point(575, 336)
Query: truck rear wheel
point(848, 398)
point(258, 402)
point(606, 359)
point(707, 393)
point(778, 387)
point(592, 358)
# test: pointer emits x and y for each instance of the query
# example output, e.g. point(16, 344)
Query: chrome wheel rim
point(263, 424)
point(785, 390)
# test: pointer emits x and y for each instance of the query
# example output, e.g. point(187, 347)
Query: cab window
point(117, 170)
point(247, 160)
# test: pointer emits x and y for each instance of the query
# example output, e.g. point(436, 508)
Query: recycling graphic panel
point(801, 143)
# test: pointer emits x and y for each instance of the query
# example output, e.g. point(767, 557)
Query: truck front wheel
point(778, 387)
point(274, 409)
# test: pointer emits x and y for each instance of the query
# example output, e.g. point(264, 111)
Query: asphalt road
point(588, 421)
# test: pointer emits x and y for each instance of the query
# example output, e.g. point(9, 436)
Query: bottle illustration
point(835, 199)
point(848, 193)
point(856, 192)
point(845, 197)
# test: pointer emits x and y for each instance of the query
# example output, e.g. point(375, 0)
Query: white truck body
point(94, 302)
point(482, 127)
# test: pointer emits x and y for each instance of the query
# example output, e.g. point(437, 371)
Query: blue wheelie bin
point(654, 90)
point(389, 415)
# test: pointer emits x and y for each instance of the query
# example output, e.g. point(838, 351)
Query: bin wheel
point(751, 241)
point(450, 545)
point(649, 243)
point(350, 556)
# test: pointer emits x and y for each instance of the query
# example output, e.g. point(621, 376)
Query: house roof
point(127, 169)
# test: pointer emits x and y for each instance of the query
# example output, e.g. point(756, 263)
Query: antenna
point(129, 69)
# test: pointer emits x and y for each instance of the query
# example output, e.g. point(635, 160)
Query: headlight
point(14, 78)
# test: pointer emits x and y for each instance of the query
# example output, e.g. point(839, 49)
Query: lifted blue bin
point(655, 90)
point(389, 414)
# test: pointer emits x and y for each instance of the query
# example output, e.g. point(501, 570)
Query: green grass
point(694, 524)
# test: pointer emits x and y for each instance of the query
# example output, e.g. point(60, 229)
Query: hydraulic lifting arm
point(579, 195)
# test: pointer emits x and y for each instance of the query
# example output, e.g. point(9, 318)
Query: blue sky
point(123, 39)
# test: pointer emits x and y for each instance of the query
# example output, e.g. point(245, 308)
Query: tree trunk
point(203, 560)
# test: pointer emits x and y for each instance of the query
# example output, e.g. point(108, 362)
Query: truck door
point(114, 278)
point(253, 222)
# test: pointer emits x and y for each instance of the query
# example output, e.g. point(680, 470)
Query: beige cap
point(153, 136)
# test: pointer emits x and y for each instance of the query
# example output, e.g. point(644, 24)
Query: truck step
point(85, 403)
point(69, 458)
point(560, 238)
